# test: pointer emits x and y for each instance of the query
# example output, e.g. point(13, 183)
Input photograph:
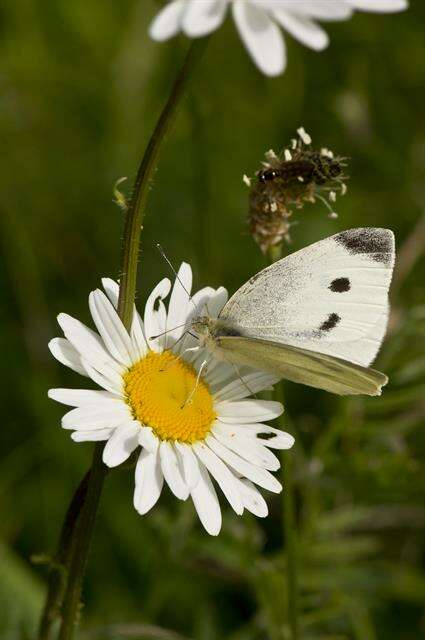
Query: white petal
point(155, 319)
point(261, 37)
point(201, 18)
point(248, 448)
point(276, 439)
point(92, 436)
point(179, 302)
point(166, 23)
point(247, 411)
point(110, 327)
point(148, 439)
point(379, 5)
point(64, 352)
point(303, 29)
point(222, 475)
point(319, 9)
point(78, 397)
point(99, 416)
point(107, 380)
point(121, 444)
point(256, 474)
point(189, 463)
point(253, 501)
point(88, 344)
point(137, 333)
point(245, 386)
point(206, 503)
point(149, 481)
point(216, 302)
point(172, 471)
point(197, 308)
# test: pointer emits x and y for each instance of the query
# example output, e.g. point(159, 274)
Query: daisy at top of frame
point(259, 23)
point(192, 423)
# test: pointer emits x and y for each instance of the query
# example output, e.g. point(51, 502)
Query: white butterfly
point(317, 316)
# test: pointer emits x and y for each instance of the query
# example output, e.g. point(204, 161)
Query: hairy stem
point(64, 591)
point(137, 205)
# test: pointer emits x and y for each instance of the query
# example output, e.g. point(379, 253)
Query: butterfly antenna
point(162, 252)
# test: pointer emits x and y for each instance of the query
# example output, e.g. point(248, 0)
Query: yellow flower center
point(162, 392)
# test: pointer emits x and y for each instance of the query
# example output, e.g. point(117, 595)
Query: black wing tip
point(377, 242)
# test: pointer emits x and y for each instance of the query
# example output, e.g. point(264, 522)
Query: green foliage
point(81, 85)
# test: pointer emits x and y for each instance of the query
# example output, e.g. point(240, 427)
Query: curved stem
point(137, 206)
point(59, 569)
point(82, 525)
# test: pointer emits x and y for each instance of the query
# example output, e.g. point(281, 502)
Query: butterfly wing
point(300, 365)
point(330, 297)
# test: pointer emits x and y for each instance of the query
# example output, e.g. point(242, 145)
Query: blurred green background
point(81, 86)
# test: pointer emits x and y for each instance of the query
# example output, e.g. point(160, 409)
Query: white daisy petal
point(148, 440)
point(247, 411)
point(171, 469)
point(261, 37)
point(217, 301)
point(92, 436)
point(252, 499)
point(137, 333)
point(318, 9)
point(256, 474)
point(206, 503)
point(179, 301)
point(201, 18)
point(302, 29)
point(155, 319)
point(97, 416)
point(121, 444)
point(88, 344)
point(274, 438)
point(110, 327)
point(189, 463)
point(149, 481)
point(245, 386)
point(166, 23)
point(78, 397)
point(66, 354)
point(248, 448)
point(108, 380)
point(379, 5)
point(222, 475)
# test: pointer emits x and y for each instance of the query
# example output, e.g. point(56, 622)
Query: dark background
point(81, 85)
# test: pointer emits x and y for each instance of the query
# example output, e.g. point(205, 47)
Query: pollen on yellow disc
point(158, 388)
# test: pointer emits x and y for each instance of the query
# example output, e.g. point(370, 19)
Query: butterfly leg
point(244, 382)
point(198, 377)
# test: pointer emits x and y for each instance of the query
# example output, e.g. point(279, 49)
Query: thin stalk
point(137, 206)
point(58, 570)
point(288, 509)
point(82, 525)
point(290, 533)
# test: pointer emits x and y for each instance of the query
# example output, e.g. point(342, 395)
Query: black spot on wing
point(376, 242)
point(330, 322)
point(340, 285)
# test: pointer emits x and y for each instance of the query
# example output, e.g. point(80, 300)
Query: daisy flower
point(192, 423)
point(259, 23)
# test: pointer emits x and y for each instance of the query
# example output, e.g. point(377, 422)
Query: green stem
point(288, 507)
point(83, 536)
point(289, 531)
point(83, 525)
point(59, 568)
point(137, 206)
